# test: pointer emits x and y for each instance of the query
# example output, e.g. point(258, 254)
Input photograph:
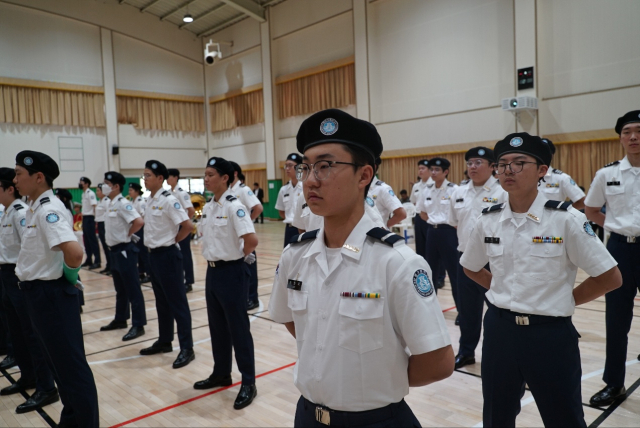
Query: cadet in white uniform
point(467, 202)
point(89, 203)
point(618, 186)
point(139, 204)
point(165, 224)
point(387, 204)
point(288, 196)
point(101, 210)
point(121, 222)
point(185, 245)
point(559, 186)
point(29, 354)
point(228, 241)
point(534, 247)
point(420, 225)
point(353, 295)
point(442, 241)
point(47, 268)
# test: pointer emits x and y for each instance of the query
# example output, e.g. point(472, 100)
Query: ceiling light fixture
point(187, 18)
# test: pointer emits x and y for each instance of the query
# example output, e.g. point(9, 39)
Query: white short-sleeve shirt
point(101, 208)
point(435, 201)
point(559, 186)
point(534, 271)
point(139, 204)
point(48, 224)
point(222, 226)
point(351, 351)
point(385, 199)
point(89, 201)
point(287, 197)
point(183, 197)
point(12, 227)
point(120, 215)
point(245, 195)
point(162, 219)
point(417, 189)
point(303, 218)
point(618, 186)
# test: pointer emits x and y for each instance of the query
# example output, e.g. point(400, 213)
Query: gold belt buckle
point(522, 320)
point(323, 416)
point(212, 264)
point(631, 239)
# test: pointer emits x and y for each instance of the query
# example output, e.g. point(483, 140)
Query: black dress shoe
point(213, 381)
point(145, 279)
point(94, 266)
point(462, 361)
point(86, 263)
point(133, 333)
point(18, 387)
point(439, 285)
point(157, 348)
point(188, 288)
point(245, 396)
point(114, 325)
point(184, 357)
point(607, 395)
point(8, 362)
point(105, 271)
point(38, 400)
point(252, 304)
point(457, 322)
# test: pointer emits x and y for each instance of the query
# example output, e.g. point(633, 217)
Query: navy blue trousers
point(394, 415)
point(619, 307)
point(187, 259)
point(442, 249)
point(5, 334)
point(544, 356)
point(53, 309)
point(470, 306)
point(90, 239)
point(289, 232)
point(103, 241)
point(420, 227)
point(28, 350)
point(143, 255)
point(253, 280)
point(229, 326)
point(127, 284)
point(167, 280)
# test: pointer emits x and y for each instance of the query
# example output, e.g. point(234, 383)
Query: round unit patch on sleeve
point(23, 222)
point(572, 182)
point(186, 197)
point(587, 228)
point(240, 213)
point(176, 205)
point(391, 192)
point(370, 201)
point(422, 284)
point(52, 218)
point(129, 207)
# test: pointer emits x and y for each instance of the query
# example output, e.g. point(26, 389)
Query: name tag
point(491, 240)
point(459, 200)
point(613, 183)
point(292, 284)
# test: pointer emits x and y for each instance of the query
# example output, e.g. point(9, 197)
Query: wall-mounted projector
point(515, 104)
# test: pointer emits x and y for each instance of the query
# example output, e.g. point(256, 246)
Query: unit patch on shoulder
point(176, 205)
point(186, 197)
point(391, 192)
point(572, 181)
point(52, 218)
point(587, 228)
point(369, 201)
point(422, 284)
point(240, 213)
point(23, 222)
point(129, 207)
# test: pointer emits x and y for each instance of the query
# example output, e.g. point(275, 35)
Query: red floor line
point(195, 398)
point(447, 310)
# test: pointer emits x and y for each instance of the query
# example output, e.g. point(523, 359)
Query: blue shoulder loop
point(557, 171)
point(304, 236)
point(493, 209)
point(557, 205)
point(611, 164)
point(166, 193)
point(231, 198)
point(44, 200)
point(384, 235)
point(18, 207)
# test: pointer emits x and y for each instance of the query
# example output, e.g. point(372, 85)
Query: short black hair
point(6, 184)
point(47, 179)
point(86, 180)
point(361, 157)
point(403, 192)
point(256, 184)
point(174, 172)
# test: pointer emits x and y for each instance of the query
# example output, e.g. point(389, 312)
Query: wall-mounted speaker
point(115, 150)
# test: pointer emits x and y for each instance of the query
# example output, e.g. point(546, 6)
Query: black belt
point(526, 319)
point(327, 416)
point(161, 249)
point(119, 247)
point(8, 267)
point(626, 239)
point(221, 263)
point(441, 226)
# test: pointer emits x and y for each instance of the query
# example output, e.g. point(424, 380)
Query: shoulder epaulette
point(557, 171)
point(493, 209)
point(18, 207)
point(231, 198)
point(243, 185)
point(180, 189)
point(120, 198)
point(379, 183)
point(384, 235)
point(557, 205)
point(465, 181)
point(430, 185)
point(166, 193)
point(305, 205)
point(611, 164)
point(304, 236)
point(450, 184)
point(44, 200)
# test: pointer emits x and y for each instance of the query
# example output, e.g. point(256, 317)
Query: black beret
point(174, 172)
point(336, 126)
point(236, 168)
point(550, 144)
point(295, 157)
point(441, 162)
point(38, 162)
point(64, 193)
point(223, 166)
point(424, 162)
point(480, 152)
point(7, 174)
point(157, 167)
point(522, 142)
point(135, 186)
point(115, 178)
point(631, 117)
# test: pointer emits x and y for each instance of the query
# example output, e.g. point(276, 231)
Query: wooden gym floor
point(146, 392)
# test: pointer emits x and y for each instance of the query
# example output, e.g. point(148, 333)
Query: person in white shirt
point(534, 247)
point(101, 210)
point(185, 245)
point(359, 302)
point(559, 186)
point(386, 202)
point(288, 195)
point(89, 203)
point(618, 186)
point(419, 224)
point(139, 204)
point(467, 202)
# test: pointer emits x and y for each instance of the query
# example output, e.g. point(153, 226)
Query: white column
point(526, 46)
point(207, 107)
point(109, 82)
point(361, 49)
point(269, 99)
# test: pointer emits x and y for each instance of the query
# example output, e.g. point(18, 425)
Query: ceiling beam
point(204, 15)
point(150, 5)
point(182, 6)
point(248, 7)
point(220, 26)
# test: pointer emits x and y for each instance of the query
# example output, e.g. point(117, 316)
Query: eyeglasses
point(321, 169)
point(289, 166)
point(515, 167)
point(477, 163)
